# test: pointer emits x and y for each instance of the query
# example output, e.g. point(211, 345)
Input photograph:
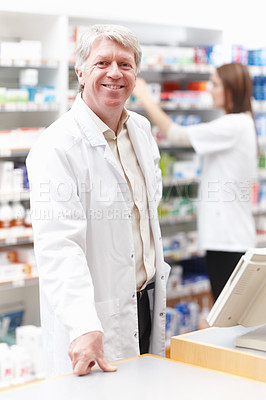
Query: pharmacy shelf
point(262, 172)
point(261, 239)
point(14, 241)
point(258, 210)
point(259, 106)
point(172, 219)
point(49, 64)
point(177, 219)
point(172, 106)
point(186, 68)
point(199, 287)
point(173, 181)
point(183, 255)
point(262, 144)
point(53, 32)
point(164, 145)
point(256, 70)
point(17, 282)
point(29, 107)
point(15, 196)
point(13, 153)
point(179, 102)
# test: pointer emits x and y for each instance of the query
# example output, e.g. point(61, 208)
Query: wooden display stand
point(214, 348)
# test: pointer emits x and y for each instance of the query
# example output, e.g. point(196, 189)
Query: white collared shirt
point(124, 154)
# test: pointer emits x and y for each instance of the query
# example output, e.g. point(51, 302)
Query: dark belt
point(148, 287)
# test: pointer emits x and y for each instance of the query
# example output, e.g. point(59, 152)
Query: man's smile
point(113, 86)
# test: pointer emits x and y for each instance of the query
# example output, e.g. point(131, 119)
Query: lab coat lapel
point(96, 138)
point(110, 158)
point(94, 134)
point(141, 145)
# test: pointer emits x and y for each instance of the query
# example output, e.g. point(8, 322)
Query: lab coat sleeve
point(59, 226)
point(215, 136)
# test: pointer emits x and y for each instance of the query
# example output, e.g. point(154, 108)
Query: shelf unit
point(14, 27)
point(178, 223)
point(19, 290)
point(19, 283)
point(53, 31)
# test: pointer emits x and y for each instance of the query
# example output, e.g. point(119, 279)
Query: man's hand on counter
point(85, 351)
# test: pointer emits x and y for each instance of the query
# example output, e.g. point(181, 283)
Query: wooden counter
point(214, 348)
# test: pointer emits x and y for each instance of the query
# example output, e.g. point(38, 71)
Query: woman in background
point(228, 147)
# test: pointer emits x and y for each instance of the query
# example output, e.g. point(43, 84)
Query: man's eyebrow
point(100, 55)
point(108, 57)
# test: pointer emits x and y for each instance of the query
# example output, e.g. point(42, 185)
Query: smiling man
point(108, 78)
point(99, 256)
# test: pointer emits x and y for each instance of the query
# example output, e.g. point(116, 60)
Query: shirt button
point(132, 256)
point(133, 295)
point(135, 334)
point(162, 277)
point(161, 314)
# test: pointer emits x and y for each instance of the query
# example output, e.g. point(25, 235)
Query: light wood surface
point(214, 348)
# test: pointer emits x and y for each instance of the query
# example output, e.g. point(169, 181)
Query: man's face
point(108, 76)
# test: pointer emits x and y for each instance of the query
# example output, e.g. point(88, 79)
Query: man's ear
point(80, 76)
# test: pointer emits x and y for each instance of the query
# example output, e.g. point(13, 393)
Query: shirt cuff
point(178, 135)
point(77, 332)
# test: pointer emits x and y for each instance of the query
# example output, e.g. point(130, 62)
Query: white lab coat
point(83, 238)
point(229, 162)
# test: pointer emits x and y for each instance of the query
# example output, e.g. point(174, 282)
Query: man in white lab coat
point(95, 189)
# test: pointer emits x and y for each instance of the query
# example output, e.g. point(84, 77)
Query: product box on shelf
point(182, 318)
point(20, 139)
point(22, 361)
point(21, 52)
point(17, 264)
point(30, 338)
point(11, 317)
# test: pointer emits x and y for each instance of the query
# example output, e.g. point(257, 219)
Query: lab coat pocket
point(108, 312)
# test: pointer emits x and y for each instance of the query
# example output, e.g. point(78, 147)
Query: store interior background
point(241, 23)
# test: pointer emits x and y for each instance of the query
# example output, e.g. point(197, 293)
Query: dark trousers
point(144, 321)
point(219, 266)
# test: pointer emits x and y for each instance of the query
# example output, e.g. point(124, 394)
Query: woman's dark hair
point(237, 87)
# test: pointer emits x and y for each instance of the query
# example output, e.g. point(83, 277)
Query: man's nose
point(114, 71)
